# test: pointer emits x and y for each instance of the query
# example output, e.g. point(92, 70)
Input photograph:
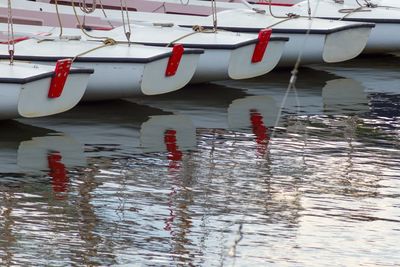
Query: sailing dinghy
point(325, 41)
point(33, 90)
point(319, 41)
point(226, 55)
point(120, 70)
point(383, 38)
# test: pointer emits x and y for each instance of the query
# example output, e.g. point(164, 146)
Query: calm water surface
point(228, 174)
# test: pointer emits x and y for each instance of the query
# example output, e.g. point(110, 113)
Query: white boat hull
point(30, 99)
point(383, 38)
point(321, 48)
point(122, 80)
point(220, 64)
point(119, 70)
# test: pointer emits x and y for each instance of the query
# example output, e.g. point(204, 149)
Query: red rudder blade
point(174, 60)
point(263, 39)
point(61, 73)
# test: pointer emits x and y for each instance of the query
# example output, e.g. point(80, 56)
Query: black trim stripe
point(101, 59)
point(366, 20)
point(218, 46)
point(291, 31)
point(42, 76)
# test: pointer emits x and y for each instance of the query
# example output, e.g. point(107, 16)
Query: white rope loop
point(86, 8)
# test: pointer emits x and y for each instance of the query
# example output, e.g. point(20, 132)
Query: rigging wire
point(105, 14)
point(294, 74)
point(59, 19)
point(128, 31)
point(214, 14)
point(81, 25)
point(10, 33)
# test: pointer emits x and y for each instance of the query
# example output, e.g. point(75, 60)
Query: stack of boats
point(62, 52)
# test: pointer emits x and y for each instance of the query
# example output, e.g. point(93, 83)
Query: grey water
point(234, 173)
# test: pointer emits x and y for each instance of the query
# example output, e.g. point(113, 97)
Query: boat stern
point(346, 43)
point(250, 61)
point(35, 101)
point(172, 73)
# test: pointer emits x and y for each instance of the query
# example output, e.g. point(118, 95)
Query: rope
point(358, 3)
point(352, 11)
point(80, 24)
point(214, 14)
point(158, 8)
point(247, 4)
point(85, 7)
point(288, 15)
point(369, 4)
point(127, 32)
point(293, 78)
point(107, 42)
point(10, 32)
point(362, 7)
point(59, 19)
point(196, 29)
point(105, 15)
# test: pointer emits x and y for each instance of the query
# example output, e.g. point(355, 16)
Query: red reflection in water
point(175, 157)
point(260, 131)
point(58, 173)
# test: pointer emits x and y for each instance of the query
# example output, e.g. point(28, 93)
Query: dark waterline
point(208, 176)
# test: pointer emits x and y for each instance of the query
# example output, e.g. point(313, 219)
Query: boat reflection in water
point(344, 96)
point(113, 129)
point(257, 113)
point(378, 75)
point(27, 150)
point(167, 133)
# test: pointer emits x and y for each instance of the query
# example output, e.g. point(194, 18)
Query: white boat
point(226, 55)
point(32, 90)
point(383, 38)
point(119, 70)
point(328, 41)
